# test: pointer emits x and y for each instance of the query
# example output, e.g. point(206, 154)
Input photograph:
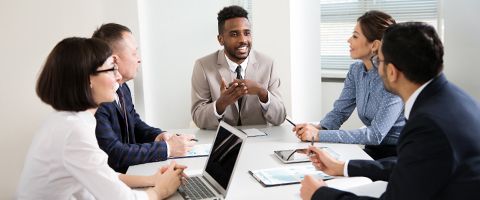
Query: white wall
point(306, 83)
point(271, 36)
point(173, 35)
point(30, 29)
point(462, 44)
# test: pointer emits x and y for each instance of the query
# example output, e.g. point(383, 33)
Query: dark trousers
point(381, 151)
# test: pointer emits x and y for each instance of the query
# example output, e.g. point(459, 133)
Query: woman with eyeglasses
point(64, 160)
point(380, 111)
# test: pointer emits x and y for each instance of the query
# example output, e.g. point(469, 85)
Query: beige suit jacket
point(206, 80)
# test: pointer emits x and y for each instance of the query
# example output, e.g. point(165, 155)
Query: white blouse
point(65, 162)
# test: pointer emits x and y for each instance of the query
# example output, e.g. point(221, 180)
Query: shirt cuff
point(265, 105)
point(168, 150)
point(215, 111)
point(345, 168)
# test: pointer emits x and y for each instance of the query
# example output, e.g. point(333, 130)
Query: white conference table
point(258, 154)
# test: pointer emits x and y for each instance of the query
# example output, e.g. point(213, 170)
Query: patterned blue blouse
point(380, 111)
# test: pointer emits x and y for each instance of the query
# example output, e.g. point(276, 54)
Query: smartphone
point(300, 155)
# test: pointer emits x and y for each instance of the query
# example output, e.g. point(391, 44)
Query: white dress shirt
point(408, 107)
point(412, 98)
point(65, 162)
point(233, 66)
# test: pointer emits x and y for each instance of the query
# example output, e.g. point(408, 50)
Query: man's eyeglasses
point(114, 70)
point(376, 61)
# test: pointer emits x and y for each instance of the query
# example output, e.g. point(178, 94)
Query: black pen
point(293, 124)
point(311, 152)
point(193, 139)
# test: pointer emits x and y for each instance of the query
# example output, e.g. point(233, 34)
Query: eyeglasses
point(114, 70)
point(376, 60)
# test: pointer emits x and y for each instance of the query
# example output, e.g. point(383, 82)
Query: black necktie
point(239, 76)
point(124, 113)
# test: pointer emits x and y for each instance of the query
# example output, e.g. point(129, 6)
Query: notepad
point(197, 151)
point(286, 175)
point(253, 132)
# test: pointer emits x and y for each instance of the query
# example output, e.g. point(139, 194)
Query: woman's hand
point(306, 132)
point(168, 179)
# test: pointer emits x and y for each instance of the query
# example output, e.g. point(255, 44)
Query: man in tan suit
point(235, 78)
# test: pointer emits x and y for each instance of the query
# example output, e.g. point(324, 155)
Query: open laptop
point(216, 177)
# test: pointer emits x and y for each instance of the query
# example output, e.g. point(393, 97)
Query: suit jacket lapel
point(250, 72)
point(223, 68)
point(252, 66)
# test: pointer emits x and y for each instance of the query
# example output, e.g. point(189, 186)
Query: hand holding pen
point(322, 161)
point(311, 153)
point(180, 144)
point(306, 132)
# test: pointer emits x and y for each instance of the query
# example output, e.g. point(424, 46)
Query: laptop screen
point(223, 156)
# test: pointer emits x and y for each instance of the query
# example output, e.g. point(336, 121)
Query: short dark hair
point(64, 82)
point(374, 23)
point(415, 49)
point(111, 33)
point(229, 13)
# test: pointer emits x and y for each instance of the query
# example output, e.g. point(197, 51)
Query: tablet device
point(292, 156)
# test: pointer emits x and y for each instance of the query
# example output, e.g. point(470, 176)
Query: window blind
point(338, 18)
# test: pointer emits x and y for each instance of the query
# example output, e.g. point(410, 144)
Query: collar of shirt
point(232, 65)
point(117, 98)
point(372, 70)
point(412, 98)
point(87, 116)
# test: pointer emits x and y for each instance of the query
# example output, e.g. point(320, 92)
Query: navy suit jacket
point(112, 135)
point(438, 150)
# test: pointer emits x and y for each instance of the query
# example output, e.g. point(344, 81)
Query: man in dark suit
point(439, 147)
point(120, 132)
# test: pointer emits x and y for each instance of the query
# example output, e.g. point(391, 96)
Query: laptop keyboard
point(194, 188)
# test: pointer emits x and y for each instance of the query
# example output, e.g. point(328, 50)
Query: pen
point(311, 152)
point(293, 124)
point(193, 139)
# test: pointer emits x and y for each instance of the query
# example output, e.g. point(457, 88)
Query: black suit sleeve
point(375, 170)
point(424, 160)
point(122, 155)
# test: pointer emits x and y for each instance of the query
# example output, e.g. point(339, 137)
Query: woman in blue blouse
point(380, 111)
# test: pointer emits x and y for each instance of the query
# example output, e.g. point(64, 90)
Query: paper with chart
point(286, 175)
